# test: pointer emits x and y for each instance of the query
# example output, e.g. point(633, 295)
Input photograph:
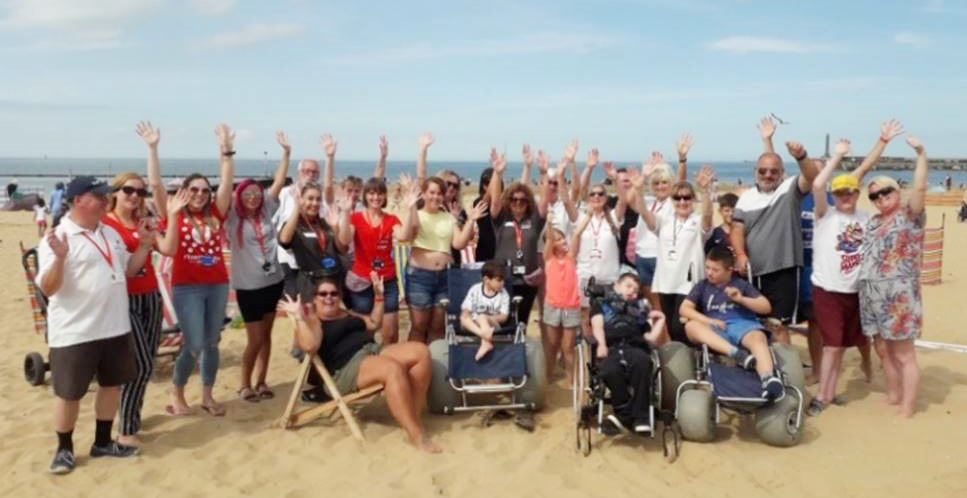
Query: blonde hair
point(117, 182)
point(883, 181)
point(663, 172)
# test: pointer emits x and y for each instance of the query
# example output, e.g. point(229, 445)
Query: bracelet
point(800, 158)
point(682, 159)
point(378, 299)
point(228, 153)
point(884, 140)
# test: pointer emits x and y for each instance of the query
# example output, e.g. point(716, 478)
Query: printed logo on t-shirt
point(848, 243)
point(201, 248)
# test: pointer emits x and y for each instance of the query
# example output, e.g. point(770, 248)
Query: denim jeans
point(201, 311)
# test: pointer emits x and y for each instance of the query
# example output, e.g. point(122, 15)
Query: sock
point(102, 432)
point(65, 441)
point(764, 377)
point(733, 353)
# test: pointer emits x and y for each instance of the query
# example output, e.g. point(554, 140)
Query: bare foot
point(178, 406)
point(905, 412)
point(427, 446)
point(130, 440)
point(812, 380)
point(893, 400)
point(213, 408)
point(485, 347)
point(867, 368)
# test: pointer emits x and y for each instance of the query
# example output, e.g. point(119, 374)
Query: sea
point(40, 175)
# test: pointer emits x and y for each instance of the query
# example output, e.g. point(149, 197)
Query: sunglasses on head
point(327, 294)
point(883, 192)
point(681, 197)
point(200, 190)
point(131, 191)
point(596, 194)
point(768, 171)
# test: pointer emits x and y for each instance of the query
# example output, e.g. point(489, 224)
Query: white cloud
point(77, 25)
point(251, 35)
point(214, 7)
point(906, 38)
point(747, 44)
point(536, 43)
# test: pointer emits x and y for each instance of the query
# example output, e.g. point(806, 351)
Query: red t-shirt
point(199, 258)
point(374, 246)
point(145, 281)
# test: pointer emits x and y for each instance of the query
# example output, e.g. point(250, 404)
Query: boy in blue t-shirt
point(722, 313)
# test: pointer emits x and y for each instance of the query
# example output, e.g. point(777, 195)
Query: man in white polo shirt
point(84, 266)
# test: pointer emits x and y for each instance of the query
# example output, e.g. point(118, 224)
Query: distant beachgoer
point(12, 189)
point(40, 216)
point(83, 265)
point(891, 305)
point(57, 200)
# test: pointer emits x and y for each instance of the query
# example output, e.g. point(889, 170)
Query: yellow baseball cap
point(845, 182)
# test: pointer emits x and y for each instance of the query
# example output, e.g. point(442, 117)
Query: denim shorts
point(362, 302)
point(646, 269)
point(425, 288)
point(736, 329)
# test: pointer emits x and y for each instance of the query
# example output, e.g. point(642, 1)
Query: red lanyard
point(595, 230)
point(518, 236)
point(379, 229)
point(320, 235)
point(202, 234)
point(106, 253)
point(259, 236)
point(656, 206)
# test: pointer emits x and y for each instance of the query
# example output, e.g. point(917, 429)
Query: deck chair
point(931, 267)
point(292, 418)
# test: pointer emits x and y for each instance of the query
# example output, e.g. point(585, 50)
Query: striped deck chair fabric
point(401, 256)
point(30, 271)
point(931, 267)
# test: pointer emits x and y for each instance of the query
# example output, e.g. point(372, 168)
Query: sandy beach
point(860, 449)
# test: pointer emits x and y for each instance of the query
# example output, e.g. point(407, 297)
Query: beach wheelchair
point(717, 383)
point(511, 377)
point(591, 398)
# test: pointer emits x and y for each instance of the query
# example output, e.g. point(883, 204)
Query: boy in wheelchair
point(486, 307)
point(721, 312)
point(621, 327)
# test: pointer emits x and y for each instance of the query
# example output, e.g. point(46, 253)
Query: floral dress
point(889, 281)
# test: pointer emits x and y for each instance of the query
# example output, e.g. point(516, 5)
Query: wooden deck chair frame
point(292, 418)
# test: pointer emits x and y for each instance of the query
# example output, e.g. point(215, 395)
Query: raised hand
point(500, 164)
point(638, 179)
point(493, 156)
point(454, 208)
point(657, 158)
point(283, 141)
point(58, 245)
point(592, 158)
point(479, 211)
point(333, 215)
point(383, 147)
point(560, 172)
point(609, 170)
point(146, 232)
point(796, 150)
point(148, 133)
point(842, 147)
point(225, 136)
point(291, 307)
point(345, 203)
point(914, 142)
point(683, 145)
point(426, 140)
point(377, 283)
point(177, 202)
point(406, 181)
point(571, 150)
point(328, 145)
point(542, 162)
point(890, 130)
point(528, 157)
point(704, 177)
point(767, 128)
point(411, 194)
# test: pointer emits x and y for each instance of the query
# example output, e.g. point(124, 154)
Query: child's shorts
point(560, 317)
point(737, 329)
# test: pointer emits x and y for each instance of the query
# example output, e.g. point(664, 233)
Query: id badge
point(377, 264)
point(596, 254)
point(519, 270)
point(267, 268)
point(328, 263)
point(672, 256)
point(207, 260)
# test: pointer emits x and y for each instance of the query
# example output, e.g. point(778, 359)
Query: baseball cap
point(81, 185)
point(845, 182)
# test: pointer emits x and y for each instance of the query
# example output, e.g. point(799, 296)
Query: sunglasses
point(453, 184)
point(202, 190)
point(596, 194)
point(768, 171)
point(252, 195)
point(552, 182)
point(681, 198)
point(519, 200)
point(327, 294)
point(131, 191)
point(883, 192)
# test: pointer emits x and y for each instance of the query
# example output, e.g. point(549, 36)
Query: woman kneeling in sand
point(344, 342)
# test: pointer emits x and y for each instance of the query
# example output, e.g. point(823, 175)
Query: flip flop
point(170, 410)
point(264, 392)
point(215, 411)
point(247, 394)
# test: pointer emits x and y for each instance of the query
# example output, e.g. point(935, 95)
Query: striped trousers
point(145, 311)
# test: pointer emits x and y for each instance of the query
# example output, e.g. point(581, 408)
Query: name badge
point(519, 270)
point(377, 264)
point(509, 224)
point(309, 235)
point(672, 256)
point(596, 254)
point(207, 260)
point(328, 263)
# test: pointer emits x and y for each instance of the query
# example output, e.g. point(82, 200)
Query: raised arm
point(888, 131)
point(329, 147)
point(819, 183)
point(169, 244)
point(919, 193)
point(380, 170)
point(807, 167)
point(704, 181)
point(151, 137)
point(345, 230)
point(495, 189)
point(737, 240)
point(426, 140)
point(288, 228)
point(525, 171)
point(53, 277)
point(226, 168)
point(282, 170)
point(544, 183)
point(576, 237)
point(308, 333)
point(464, 235)
point(410, 224)
point(767, 128)
point(564, 195)
point(683, 145)
point(636, 196)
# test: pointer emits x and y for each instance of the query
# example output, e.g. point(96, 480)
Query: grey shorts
point(345, 377)
point(558, 317)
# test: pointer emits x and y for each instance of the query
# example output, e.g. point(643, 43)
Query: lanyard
point(656, 206)
point(595, 230)
point(259, 236)
point(676, 230)
point(380, 229)
point(202, 234)
point(106, 253)
point(320, 235)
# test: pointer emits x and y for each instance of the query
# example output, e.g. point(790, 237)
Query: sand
point(861, 449)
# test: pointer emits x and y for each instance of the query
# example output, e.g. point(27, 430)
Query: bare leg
point(486, 333)
point(262, 362)
point(567, 351)
point(829, 375)
point(65, 414)
point(757, 343)
point(816, 352)
point(551, 341)
point(905, 356)
point(178, 403)
point(208, 402)
point(416, 360)
point(254, 345)
point(391, 328)
point(866, 363)
point(437, 325)
point(699, 333)
point(399, 396)
point(891, 371)
point(419, 322)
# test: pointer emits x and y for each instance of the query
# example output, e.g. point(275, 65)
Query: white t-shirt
point(681, 254)
point(92, 301)
point(40, 213)
point(598, 255)
point(557, 217)
point(646, 242)
point(837, 238)
point(478, 303)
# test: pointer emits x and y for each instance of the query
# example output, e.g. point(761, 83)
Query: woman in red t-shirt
point(372, 232)
point(199, 278)
point(125, 210)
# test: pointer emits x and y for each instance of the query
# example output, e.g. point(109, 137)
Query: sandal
point(264, 392)
point(247, 394)
point(174, 412)
point(214, 410)
point(815, 408)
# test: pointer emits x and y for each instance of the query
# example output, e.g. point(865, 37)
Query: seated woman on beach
point(344, 342)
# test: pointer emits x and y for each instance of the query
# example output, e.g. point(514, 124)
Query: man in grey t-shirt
point(767, 235)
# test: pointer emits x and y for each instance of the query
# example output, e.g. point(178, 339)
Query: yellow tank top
point(436, 231)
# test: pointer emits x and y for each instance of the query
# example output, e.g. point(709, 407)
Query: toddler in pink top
point(562, 301)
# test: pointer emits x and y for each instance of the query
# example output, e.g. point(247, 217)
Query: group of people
point(323, 255)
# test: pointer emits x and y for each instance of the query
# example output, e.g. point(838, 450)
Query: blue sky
point(626, 76)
